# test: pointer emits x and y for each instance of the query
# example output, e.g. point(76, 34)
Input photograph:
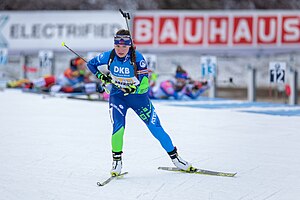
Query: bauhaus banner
point(218, 29)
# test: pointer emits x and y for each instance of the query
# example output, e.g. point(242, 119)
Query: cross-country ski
point(199, 171)
point(111, 178)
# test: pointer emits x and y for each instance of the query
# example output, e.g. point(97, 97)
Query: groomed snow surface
point(57, 149)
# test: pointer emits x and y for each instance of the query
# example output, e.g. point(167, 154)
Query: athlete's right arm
point(99, 60)
point(95, 65)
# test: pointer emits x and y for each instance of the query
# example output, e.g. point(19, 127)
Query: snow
point(57, 148)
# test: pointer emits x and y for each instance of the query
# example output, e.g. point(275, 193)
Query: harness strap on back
point(111, 58)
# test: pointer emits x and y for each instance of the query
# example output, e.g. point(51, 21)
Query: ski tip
point(99, 184)
point(111, 178)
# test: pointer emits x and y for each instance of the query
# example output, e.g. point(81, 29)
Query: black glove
point(104, 78)
point(99, 88)
point(129, 89)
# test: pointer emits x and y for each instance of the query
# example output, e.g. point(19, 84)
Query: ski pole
point(133, 58)
point(64, 45)
point(126, 15)
point(103, 84)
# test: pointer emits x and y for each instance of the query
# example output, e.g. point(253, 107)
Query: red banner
point(257, 29)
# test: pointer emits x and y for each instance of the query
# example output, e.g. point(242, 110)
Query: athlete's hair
point(133, 55)
point(122, 32)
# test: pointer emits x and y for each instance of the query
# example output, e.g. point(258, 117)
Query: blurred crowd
point(181, 86)
point(76, 79)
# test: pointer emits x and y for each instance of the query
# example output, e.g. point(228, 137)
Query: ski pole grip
point(125, 15)
point(121, 11)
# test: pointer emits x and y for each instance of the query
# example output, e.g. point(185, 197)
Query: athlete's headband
point(181, 75)
point(122, 40)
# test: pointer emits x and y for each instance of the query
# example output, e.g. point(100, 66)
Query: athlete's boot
point(116, 164)
point(179, 162)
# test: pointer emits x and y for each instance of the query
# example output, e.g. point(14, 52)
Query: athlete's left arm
point(142, 73)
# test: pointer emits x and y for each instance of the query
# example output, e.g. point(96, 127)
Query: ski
point(199, 171)
point(110, 179)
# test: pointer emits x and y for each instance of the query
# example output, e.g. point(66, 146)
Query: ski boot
point(117, 164)
point(179, 162)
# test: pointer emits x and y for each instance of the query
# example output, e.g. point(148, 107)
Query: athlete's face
point(121, 50)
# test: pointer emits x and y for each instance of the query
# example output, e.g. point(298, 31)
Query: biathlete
point(126, 69)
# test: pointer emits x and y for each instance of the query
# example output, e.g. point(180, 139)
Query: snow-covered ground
point(57, 149)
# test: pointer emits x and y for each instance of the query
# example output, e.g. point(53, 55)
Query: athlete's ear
point(133, 47)
point(133, 44)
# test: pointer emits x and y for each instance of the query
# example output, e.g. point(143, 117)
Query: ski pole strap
point(124, 14)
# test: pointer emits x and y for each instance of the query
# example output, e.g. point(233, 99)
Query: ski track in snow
point(57, 149)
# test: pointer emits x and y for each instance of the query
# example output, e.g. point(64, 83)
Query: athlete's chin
point(121, 55)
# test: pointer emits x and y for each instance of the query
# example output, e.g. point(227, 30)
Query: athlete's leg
point(117, 109)
point(145, 110)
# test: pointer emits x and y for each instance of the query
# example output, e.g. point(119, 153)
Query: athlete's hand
point(104, 79)
point(129, 89)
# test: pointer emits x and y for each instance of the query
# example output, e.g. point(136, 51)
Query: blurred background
point(247, 50)
point(147, 5)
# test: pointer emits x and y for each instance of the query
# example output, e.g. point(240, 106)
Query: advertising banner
point(82, 30)
point(217, 29)
point(151, 30)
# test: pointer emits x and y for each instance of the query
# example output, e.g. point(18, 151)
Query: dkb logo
point(121, 70)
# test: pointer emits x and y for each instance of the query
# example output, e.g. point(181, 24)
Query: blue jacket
point(122, 72)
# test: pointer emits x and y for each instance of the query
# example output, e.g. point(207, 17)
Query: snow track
point(57, 149)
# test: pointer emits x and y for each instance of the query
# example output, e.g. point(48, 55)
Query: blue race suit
point(122, 73)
